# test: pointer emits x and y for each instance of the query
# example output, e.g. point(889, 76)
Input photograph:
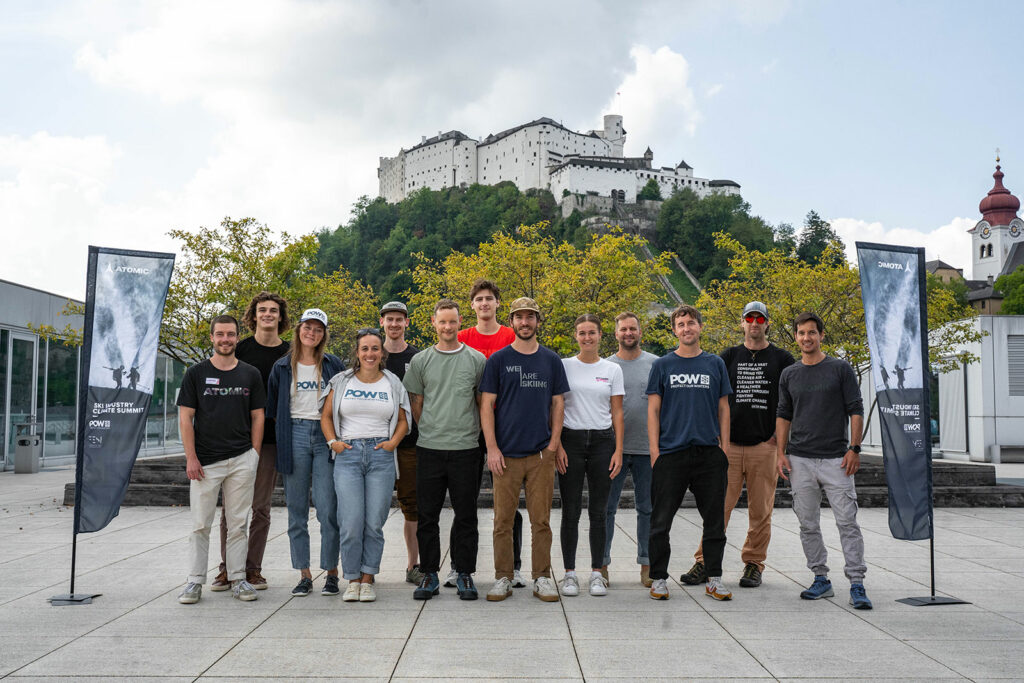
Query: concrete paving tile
point(480, 623)
point(305, 624)
point(128, 656)
point(344, 655)
point(976, 658)
point(649, 624)
point(885, 600)
point(490, 679)
point(182, 622)
point(995, 601)
point(934, 623)
point(44, 620)
point(292, 679)
point(745, 679)
point(704, 658)
point(828, 624)
point(792, 658)
point(105, 679)
point(17, 651)
point(514, 657)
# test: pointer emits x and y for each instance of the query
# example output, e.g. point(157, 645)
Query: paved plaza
point(138, 631)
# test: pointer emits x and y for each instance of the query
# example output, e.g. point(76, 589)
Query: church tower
point(997, 231)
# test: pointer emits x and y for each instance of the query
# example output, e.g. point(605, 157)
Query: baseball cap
point(755, 307)
point(394, 306)
point(523, 303)
point(314, 314)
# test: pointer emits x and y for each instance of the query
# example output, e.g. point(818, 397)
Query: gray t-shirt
point(448, 383)
point(818, 400)
point(634, 404)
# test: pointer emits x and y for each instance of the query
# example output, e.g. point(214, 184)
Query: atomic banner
point(892, 283)
point(124, 303)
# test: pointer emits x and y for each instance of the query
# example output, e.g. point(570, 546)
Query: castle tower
point(997, 231)
point(614, 133)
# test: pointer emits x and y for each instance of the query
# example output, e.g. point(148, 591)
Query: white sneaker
point(570, 585)
point(367, 593)
point(352, 592)
point(659, 589)
point(544, 589)
point(598, 584)
point(191, 594)
point(451, 579)
point(243, 590)
point(502, 589)
point(517, 579)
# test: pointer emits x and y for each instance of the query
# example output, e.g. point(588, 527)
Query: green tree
point(956, 286)
point(1012, 287)
point(650, 191)
point(815, 238)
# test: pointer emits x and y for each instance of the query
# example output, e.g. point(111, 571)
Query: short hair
point(223, 320)
point(481, 284)
point(445, 304)
point(625, 316)
point(685, 309)
point(806, 317)
point(249, 318)
point(587, 318)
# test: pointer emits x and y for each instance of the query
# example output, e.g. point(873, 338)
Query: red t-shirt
point(487, 343)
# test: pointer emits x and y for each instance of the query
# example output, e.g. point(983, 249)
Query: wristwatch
point(855, 449)
point(331, 441)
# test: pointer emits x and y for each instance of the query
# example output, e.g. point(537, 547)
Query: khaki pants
point(259, 525)
point(537, 474)
point(236, 476)
point(754, 465)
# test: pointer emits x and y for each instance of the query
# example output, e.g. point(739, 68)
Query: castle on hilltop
point(542, 154)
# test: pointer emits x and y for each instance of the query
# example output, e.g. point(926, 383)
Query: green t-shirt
point(448, 383)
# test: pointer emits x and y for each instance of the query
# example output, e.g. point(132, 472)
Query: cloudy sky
point(123, 120)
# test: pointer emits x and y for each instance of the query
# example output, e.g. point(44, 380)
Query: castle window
point(990, 250)
point(982, 255)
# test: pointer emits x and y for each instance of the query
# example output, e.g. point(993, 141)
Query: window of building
point(1015, 363)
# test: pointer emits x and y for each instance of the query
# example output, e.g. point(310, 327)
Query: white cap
point(314, 314)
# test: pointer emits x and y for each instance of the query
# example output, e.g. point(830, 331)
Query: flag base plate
point(932, 600)
point(72, 599)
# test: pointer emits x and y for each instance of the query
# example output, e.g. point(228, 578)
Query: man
point(487, 337)
point(688, 427)
point(442, 382)
point(266, 317)
point(220, 416)
point(754, 368)
point(816, 397)
point(394, 321)
point(521, 411)
point(636, 456)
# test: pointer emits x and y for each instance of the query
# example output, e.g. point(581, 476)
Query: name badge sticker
point(213, 380)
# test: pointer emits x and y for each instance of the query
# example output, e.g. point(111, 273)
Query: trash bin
point(27, 453)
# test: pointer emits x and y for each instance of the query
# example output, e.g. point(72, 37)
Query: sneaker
point(570, 585)
point(659, 589)
point(221, 583)
point(351, 592)
point(544, 589)
point(243, 590)
point(331, 586)
point(428, 588)
point(502, 589)
point(303, 586)
point(821, 588)
point(698, 574)
point(451, 579)
point(645, 575)
point(751, 576)
point(713, 589)
point(414, 575)
point(191, 594)
point(256, 580)
point(517, 579)
point(598, 584)
point(858, 597)
point(465, 586)
point(367, 593)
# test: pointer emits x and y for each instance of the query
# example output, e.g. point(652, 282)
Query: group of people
point(425, 423)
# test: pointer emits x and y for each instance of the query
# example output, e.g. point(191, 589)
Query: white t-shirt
point(588, 405)
point(304, 395)
point(366, 410)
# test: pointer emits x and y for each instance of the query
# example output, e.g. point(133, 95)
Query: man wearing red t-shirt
point(487, 337)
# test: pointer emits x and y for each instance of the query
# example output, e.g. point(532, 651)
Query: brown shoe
point(645, 575)
point(221, 583)
point(256, 579)
point(604, 573)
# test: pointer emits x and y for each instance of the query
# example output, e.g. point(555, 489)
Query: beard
point(526, 333)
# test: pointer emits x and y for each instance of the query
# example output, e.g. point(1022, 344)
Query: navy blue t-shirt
point(690, 389)
point(524, 385)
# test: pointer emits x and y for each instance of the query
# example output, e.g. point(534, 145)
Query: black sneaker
point(304, 586)
point(466, 588)
point(331, 586)
point(698, 574)
point(751, 576)
point(428, 588)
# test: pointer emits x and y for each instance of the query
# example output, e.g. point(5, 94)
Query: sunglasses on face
point(368, 330)
point(756, 318)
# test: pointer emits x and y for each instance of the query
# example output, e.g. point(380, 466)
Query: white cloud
point(949, 242)
point(713, 90)
point(770, 66)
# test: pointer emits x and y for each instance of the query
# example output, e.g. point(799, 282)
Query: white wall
point(581, 179)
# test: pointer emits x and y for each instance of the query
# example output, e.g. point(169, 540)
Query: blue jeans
point(640, 467)
point(311, 465)
point(363, 479)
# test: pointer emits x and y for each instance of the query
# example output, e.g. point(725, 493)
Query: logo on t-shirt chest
point(362, 395)
point(527, 380)
point(226, 391)
point(686, 380)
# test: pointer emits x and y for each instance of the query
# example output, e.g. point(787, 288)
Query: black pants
point(590, 453)
point(458, 474)
point(517, 525)
point(705, 471)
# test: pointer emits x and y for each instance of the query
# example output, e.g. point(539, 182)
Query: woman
point(365, 417)
point(296, 393)
point(591, 447)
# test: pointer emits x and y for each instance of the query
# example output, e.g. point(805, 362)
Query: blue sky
point(123, 120)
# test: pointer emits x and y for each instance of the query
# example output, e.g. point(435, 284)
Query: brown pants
point(259, 525)
point(405, 484)
point(756, 466)
point(537, 474)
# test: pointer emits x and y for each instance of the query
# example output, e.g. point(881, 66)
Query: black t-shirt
point(398, 363)
point(754, 376)
point(223, 401)
point(263, 359)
